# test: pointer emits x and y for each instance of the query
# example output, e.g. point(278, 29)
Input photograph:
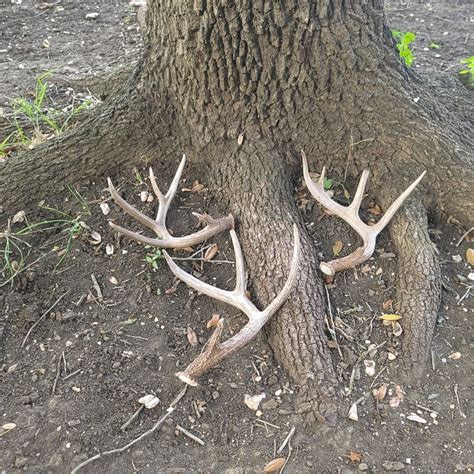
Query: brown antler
point(350, 214)
point(165, 239)
point(214, 351)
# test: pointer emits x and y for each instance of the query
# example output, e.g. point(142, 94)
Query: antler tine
point(214, 351)
point(350, 214)
point(130, 210)
point(382, 223)
point(166, 240)
point(359, 195)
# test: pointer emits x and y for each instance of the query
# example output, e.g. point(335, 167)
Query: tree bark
point(323, 76)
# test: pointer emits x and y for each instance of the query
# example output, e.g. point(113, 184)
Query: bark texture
point(319, 75)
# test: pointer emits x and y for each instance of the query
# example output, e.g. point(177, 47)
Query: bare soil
point(70, 383)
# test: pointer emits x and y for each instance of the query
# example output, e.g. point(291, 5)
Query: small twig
point(127, 423)
point(72, 374)
point(58, 372)
point(463, 297)
point(377, 376)
point(287, 440)
point(42, 317)
point(426, 408)
point(190, 435)
point(459, 403)
point(170, 410)
point(331, 318)
point(433, 360)
point(463, 236)
point(290, 449)
point(23, 269)
point(97, 289)
point(196, 259)
point(267, 423)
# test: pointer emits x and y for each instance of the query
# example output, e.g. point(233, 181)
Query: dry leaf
point(253, 401)
point(394, 402)
point(416, 418)
point(213, 321)
point(354, 456)
point(455, 356)
point(376, 211)
point(397, 328)
point(95, 238)
point(347, 195)
point(470, 256)
point(211, 252)
point(105, 208)
point(192, 338)
point(19, 217)
point(387, 304)
point(379, 393)
point(390, 317)
point(337, 247)
point(274, 465)
point(369, 367)
point(353, 412)
point(333, 345)
point(9, 426)
point(113, 280)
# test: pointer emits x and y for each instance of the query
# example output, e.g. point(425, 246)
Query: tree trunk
point(322, 76)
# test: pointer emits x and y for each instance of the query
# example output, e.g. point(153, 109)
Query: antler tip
point(184, 377)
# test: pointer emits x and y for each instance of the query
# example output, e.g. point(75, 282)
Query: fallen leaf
point(105, 208)
point(213, 321)
point(379, 393)
point(375, 210)
point(353, 412)
point(113, 280)
point(192, 338)
point(369, 367)
point(274, 465)
point(333, 345)
point(253, 401)
point(354, 456)
point(387, 304)
point(390, 317)
point(470, 256)
point(9, 426)
point(397, 328)
point(95, 238)
point(211, 252)
point(416, 418)
point(455, 356)
point(394, 402)
point(337, 247)
point(19, 217)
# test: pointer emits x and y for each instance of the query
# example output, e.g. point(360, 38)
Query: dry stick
point(333, 329)
point(377, 376)
point(190, 435)
point(58, 372)
point(357, 362)
point(170, 410)
point(97, 289)
point(290, 449)
point(267, 423)
point(127, 423)
point(459, 403)
point(287, 440)
point(463, 236)
point(72, 374)
point(23, 269)
point(43, 316)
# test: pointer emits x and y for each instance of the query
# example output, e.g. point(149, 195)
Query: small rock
point(215, 395)
point(457, 258)
point(253, 401)
point(144, 196)
point(270, 405)
point(91, 16)
point(105, 208)
point(393, 465)
point(20, 461)
point(363, 466)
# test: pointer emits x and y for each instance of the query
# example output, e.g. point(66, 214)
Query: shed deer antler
point(166, 240)
point(214, 351)
point(350, 214)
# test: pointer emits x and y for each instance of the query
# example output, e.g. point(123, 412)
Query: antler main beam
point(158, 225)
point(350, 215)
point(214, 351)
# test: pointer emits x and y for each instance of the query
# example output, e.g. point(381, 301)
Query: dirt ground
point(82, 339)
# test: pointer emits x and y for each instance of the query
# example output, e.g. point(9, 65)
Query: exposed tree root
point(418, 287)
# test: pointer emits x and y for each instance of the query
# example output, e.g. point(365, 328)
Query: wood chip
point(192, 337)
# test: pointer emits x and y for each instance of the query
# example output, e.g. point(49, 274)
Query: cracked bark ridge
point(418, 287)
